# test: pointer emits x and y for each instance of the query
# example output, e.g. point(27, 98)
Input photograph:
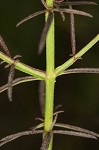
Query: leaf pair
point(68, 130)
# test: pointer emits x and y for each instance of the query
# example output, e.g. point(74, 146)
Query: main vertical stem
point(50, 80)
point(50, 43)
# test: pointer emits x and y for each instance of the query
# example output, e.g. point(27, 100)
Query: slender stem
point(49, 103)
point(50, 80)
point(23, 67)
point(50, 73)
point(50, 45)
point(72, 60)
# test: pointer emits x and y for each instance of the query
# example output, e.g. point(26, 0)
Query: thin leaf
point(75, 3)
point(57, 107)
point(5, 48)
point(58, 112)
point(12, 137)
point(75, 128)
point(74, 11)
point(44, 4)
point(16, 57)
point(72, 32)
point(44, 32)
point(37, 127)
point(61, 13)
point(40, 119)
point(73, 133)
point(11, 76)
point(55, 118)
point(42, 96)
point(58, 1)
point(18, 81)
point(2, 62)
point(10, 81)
point(28, 132)
point(31, 16)
point(81, 70)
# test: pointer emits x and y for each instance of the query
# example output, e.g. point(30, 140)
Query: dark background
point(78, 93)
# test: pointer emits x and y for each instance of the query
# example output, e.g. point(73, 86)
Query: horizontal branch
point(23, 67)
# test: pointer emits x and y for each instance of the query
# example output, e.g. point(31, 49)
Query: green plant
point(49, 76)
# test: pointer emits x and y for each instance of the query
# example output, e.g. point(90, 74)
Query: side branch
point(23, 67)
point(59, 70)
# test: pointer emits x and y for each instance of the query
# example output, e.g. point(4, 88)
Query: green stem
point(50, 80)
point(49, 103)
point(72, 60)
point(50, 45)
point(23, 67)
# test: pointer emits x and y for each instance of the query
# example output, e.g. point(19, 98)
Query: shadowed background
point(78, 93)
